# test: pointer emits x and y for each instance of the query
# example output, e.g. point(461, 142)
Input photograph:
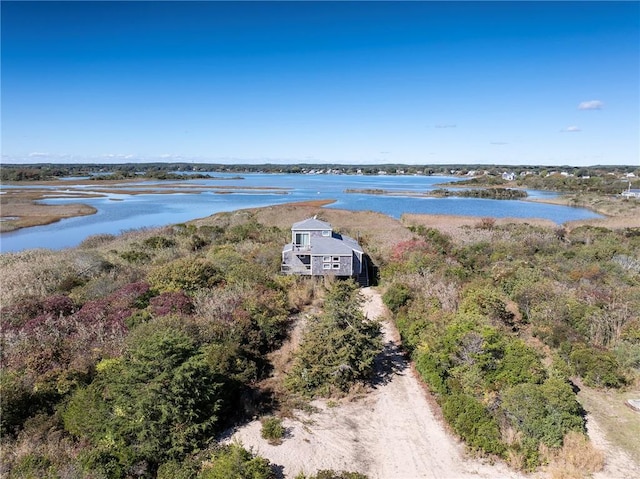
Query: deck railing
point(291, 269)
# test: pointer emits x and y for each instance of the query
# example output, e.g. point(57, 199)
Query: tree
point(545, 413)
point(158, 402)
point(339, 347)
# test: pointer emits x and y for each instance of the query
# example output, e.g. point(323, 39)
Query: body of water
point(121, 212)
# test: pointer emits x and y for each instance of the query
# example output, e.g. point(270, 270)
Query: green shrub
point(232, 360)
point(488, 302)
point(159, 402)
point(135, 256)
point(396, 296)
point(187, 469)
point(413, 326)
point(472, 422)
point(272, 430)
point(235, 462)
point(33, 465)
point(597, 368)
point(158, 242)
point(433, 236)
point(187, 274)
point(518, 364)
point(97, 240)
point(544, 413)
point(235, 267)
point(430, 372)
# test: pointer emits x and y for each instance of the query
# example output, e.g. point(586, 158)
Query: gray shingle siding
point(326, 253)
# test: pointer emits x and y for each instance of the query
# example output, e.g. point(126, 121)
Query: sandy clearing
point(617, 463)
point(389, 433)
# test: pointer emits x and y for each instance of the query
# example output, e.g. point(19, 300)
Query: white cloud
point(446, 125)
point(37, 154)
point(118, 156)
point(591, 105)
point(571, 129)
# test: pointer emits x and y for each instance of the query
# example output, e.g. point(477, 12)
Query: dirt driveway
point(389, 433)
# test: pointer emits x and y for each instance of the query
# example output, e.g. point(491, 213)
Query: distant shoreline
point(21, 207)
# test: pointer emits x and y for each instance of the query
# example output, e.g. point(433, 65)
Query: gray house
point(315, 250)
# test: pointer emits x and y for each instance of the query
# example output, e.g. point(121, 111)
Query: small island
point(486, 193)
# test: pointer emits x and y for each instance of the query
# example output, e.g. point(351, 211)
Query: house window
point(326, 266)
point(336, 265)
point(302, 239)
point(326, 232)
point(326, 259)
point(336, 258)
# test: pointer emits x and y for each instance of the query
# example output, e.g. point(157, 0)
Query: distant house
point(508, 176)
point(630, 193)
point(315, 250)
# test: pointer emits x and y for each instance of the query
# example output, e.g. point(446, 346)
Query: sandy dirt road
point(389, 433)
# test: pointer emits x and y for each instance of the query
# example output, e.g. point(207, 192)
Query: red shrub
point(171, 303)
point(403, 249)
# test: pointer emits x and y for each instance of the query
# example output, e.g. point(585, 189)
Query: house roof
point(327, 246)
point(352, 243)
point(311, 224)
point(330, 246)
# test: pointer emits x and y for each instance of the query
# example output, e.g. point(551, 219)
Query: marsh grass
point(576, 459)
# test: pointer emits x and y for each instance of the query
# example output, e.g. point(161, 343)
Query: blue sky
point(548, 83)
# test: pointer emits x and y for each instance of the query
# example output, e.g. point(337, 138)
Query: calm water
point(120, 212)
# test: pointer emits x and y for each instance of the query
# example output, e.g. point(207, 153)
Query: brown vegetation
point(211, 286)
point(458, 227)
point(19, 209)
point(619, 212)
point(576, 459)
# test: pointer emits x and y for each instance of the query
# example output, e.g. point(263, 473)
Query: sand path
point(389, 433)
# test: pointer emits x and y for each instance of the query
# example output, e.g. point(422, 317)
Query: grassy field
point(619, 212)
point(619, 423)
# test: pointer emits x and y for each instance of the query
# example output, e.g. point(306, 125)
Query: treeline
point(48, 173)
point(501, 321)
point(528, 176)
point(127, 356)
point(603, 184)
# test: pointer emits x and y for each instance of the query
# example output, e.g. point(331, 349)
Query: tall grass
point(575, 460)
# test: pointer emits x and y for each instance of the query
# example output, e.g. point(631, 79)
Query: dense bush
point(488, 302)
point(597, 368)
point(159, 242)
point(172, 302)
point(396, 296)
point(576, 291)
point(235, 462)
point(338, 348)
point(147, 354)
point(543, 413)
point(160, 401)
point(186, 274)
point(470, 419)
